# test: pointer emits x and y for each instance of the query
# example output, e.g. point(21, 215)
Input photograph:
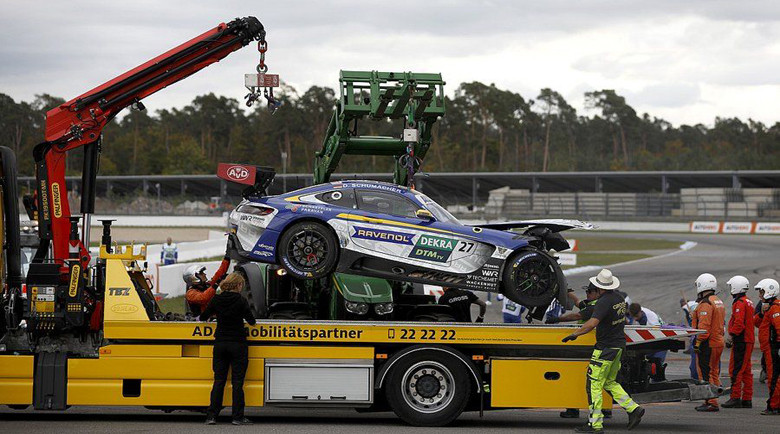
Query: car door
point(385, 224)
point(466, 250)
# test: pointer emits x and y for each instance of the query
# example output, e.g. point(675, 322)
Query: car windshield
point(439, 213)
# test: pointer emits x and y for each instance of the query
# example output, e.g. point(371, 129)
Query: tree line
point(486, 129)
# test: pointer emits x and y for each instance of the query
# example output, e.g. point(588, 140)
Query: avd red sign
point(238, 173)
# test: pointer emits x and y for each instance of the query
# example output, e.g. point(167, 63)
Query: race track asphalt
point(655, 283)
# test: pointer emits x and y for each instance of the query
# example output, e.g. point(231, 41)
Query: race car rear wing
point(256, 178)
point(554, 225)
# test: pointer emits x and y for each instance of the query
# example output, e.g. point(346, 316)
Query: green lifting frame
point(417, 98)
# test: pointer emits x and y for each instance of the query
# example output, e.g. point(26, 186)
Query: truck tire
point(435, 317)
point(428, 388)
point(292, 315)
point(308, 250)
point(254, 291)
point(531, 278)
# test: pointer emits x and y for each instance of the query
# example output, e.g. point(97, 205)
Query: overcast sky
point(684, 61)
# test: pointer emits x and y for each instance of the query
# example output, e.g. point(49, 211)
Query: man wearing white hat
point(609, 320)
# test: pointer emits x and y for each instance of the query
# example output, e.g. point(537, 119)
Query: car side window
point(344, 198)
point(386, 203)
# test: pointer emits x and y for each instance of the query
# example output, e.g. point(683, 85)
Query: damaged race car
point(379, 229)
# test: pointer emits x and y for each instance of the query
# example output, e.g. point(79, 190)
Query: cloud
point(666, 95)
point(663, 55)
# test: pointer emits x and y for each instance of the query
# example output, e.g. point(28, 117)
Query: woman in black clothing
point(230, 346)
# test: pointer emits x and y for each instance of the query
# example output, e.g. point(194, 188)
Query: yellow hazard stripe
point(360, 218)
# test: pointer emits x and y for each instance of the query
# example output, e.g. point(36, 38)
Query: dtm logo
point(238, 173)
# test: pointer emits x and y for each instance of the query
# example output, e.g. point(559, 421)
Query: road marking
point(688, 245)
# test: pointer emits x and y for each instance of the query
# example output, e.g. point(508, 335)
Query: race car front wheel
point(308, 250)
point(531, 278)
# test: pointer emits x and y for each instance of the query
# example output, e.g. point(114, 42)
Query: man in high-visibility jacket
point(709, 316)
point(609, 319)
point(770, 318)
point(741, 339)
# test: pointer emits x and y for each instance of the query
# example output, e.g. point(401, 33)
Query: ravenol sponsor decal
point(432, 248)
point(383, 235)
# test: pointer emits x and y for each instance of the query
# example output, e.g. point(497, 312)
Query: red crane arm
point(80, 121)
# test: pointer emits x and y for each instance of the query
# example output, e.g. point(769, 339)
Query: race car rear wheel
point(308, 250)
point(531, 278)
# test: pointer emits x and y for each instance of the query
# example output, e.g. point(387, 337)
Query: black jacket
point(231, 310)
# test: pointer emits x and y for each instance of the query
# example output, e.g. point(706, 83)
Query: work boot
point(211, 420)
point(732, 403)
point(588, 428)
point(707, 407)
point(242, 421)
point(635, 417)
point(747, 404)
point(570, 413)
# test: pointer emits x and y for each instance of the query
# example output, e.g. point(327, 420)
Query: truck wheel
point(308, 250)
point(435, 317)
point(530, 278)
point(292, 315)
point(428, 388)
point(254, 290)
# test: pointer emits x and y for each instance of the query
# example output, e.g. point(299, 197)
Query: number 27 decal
point(465, 246)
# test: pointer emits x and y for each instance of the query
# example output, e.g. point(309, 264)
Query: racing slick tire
point(531, 278)
point(428, 388)
point(308, 250)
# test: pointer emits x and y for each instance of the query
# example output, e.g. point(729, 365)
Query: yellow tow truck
point(89, 332)
point(427, 373)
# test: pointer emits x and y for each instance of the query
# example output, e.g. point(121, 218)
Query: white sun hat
point(605, 280)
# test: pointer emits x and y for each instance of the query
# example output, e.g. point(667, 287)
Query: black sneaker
point(588, 428)
point(732, 403)
point(635, 417)
point(211, 420)
point(707, 407)
point(242, 421)
point(570, 413)
point(769, 412)
point(747, 404)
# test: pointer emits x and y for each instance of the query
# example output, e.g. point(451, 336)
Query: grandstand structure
point(683, 195)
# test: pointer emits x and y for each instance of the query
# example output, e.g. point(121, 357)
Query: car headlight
point(383, 308)
point(356, 308)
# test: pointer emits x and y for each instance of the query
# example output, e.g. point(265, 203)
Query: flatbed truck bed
point(427, 373)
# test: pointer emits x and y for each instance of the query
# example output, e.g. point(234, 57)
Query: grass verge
point(175, 305)
point(618, 244)
point(584, 259)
